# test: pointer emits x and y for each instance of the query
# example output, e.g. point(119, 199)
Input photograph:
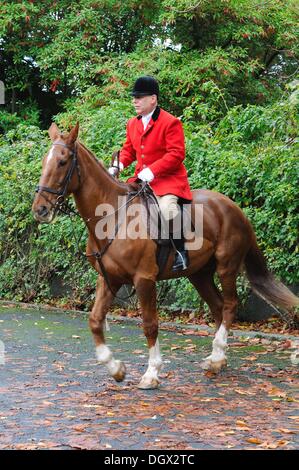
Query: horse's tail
point(264, 284)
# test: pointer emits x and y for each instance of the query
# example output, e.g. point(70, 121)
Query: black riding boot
point(181, 260)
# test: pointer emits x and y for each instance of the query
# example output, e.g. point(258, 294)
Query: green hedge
point(251, 156)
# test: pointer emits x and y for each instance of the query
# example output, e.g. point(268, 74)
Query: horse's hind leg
point(204, 283)
point(228, 277)
point(146, 292)
point(97, 317)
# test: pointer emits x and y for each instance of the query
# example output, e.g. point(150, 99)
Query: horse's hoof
point(205, 365)
point(216, 367)
point(146, 385)
point(120, 374)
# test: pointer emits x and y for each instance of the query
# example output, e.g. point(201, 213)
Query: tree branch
point(194, 7)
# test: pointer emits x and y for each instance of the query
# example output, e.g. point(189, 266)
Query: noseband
point(62, 192)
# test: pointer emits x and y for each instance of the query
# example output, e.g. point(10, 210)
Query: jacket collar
point(155, 114)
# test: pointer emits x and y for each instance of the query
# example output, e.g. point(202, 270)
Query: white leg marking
point(295, 354)
point(219, 345)
point(105, 356)
point(150, 378)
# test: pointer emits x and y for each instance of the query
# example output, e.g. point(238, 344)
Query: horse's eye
point(61, 162)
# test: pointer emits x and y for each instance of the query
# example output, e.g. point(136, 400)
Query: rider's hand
point(114, 170)
point(146, 175)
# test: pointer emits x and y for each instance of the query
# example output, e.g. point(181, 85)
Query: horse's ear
point(73, 134)
point(53, 131)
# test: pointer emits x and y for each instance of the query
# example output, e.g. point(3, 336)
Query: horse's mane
point(99, 162)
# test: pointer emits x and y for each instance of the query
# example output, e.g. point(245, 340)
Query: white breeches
point(168, 206)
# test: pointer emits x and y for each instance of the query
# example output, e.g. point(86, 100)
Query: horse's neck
point(97, 187)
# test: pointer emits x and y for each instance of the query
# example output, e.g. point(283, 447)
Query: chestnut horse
point(228, 243)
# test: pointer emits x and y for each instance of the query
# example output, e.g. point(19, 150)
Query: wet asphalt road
point(54, 395)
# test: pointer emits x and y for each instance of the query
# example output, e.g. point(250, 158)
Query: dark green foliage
point(254, 164)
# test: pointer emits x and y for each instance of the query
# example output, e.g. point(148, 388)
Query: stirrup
point(180, 261)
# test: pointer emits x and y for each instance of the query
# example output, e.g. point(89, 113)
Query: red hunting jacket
point(161, 148)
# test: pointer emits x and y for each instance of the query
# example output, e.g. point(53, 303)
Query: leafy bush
point(31, 254)
point(250, 156)
point(29, 115)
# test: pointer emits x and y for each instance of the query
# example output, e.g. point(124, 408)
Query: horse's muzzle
point(43, 215)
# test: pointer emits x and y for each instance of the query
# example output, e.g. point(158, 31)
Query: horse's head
point(60, 174)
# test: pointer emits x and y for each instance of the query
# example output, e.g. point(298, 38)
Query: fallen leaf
point(80, 427)
point(241, 423)
point(48, 444)
point(291, 399)
point(210, 374)
point(25, 446)
point(81, 442)
point(254, 440)
point(286, 431)
point(203, 333)
point(276, 392)
point(225, 433)
point(92, 406)
point(250, 358)
point(243, 392)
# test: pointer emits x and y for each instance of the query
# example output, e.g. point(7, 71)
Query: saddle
point(164, 245)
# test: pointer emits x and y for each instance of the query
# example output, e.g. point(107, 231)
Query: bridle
point(60, 204)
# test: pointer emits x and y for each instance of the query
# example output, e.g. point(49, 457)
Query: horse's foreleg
point(97, 317)
point(146, 291)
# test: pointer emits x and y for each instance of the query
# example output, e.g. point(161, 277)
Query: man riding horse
point(155, 138)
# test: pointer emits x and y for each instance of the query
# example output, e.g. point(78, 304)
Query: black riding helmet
point(145, 86)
